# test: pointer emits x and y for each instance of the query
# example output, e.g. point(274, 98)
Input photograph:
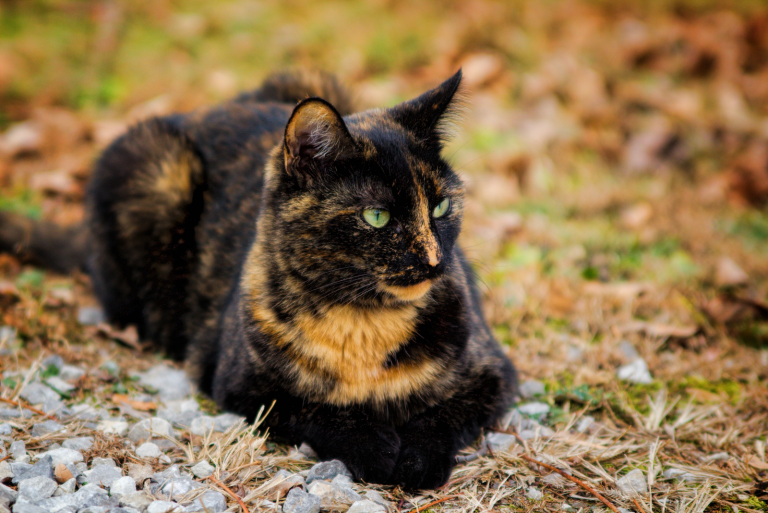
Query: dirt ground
point(616, 161)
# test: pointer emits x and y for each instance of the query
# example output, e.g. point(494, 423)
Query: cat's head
point(364, 208)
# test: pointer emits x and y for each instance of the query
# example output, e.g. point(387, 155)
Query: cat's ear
point(431, 115)
point(315, 136)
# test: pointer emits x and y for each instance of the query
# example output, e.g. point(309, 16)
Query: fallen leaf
point(754, 461)
point(138, 405)
point(659, 330)
point(728, 273)
point(62, 473)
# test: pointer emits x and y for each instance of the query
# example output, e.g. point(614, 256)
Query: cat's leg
point(430, 441)
point(144, 200)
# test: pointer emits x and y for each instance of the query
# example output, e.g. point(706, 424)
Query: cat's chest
point(353, 344)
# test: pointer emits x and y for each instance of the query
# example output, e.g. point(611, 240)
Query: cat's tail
point(296, 85)
point(60, 248)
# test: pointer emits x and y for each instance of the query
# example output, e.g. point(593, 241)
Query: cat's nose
point(431, 257)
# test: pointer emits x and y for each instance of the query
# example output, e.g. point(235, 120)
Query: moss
point(756, 503)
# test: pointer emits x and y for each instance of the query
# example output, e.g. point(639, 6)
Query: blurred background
point(615, 153)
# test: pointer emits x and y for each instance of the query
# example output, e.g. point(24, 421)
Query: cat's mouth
point(408, 292)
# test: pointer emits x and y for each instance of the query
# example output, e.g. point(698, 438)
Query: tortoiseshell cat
point(292, 254)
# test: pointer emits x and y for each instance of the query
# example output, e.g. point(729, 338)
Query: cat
point(305, 254)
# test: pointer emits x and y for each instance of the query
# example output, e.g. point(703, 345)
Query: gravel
point(299, 501)
point(531, 388)
point(171, 384)
point(203, 469)
point(63, 455)
point(35, 489)
point(327, 470)
point(366, 506)
point(102, 475)
point(635, 372)
point(633, 483)
point(83, 443)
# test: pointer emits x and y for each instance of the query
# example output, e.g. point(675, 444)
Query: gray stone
point(332, 497)
point(55, 407)
point(63, 455)
point(182, 420)
point(35, 489)
point(71, 373)
point(37, 393)
point(169, 473)
point(148, 450)
point(123, 486)
point(67, 486)
point(203, 470)
point(53, 360)
point(90, 315)
point(138, 500)
point(531, 388)
point(373, 495)
point(14, 413)
point(164, 507)
point(96, 509)
point(327, 470)
point(19, 467)
point(209, 501)
point(124, 510)
point(46, 428)
point(282, 482)
point(111, 367)
point(500, 442)
point(176, 487)
point(299, 501)
point(628, 350)
point(103, 475)
point(5, 470)
point(17, 449)
point(25, 506)
point(718, 456)
point(118, 427)
point(139, 473)
point(366, 506)
point(635, 372)
point(149, 428)
point(171, 384)
point(5, 429)
point(533, 408)
point(8, 495)
point(95, 462)
point(59, 385)
point(43, 468)
point(534, 494)
point(82, 443)
point(225, 421)
point(633, 483)
point(202, 426)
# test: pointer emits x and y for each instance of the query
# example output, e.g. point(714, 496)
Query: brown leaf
point(754, 461)
point(138, 405)
point(728, 273)
point(62, 473)
point(129, 336)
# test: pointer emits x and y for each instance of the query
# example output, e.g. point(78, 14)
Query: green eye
point(442, 208)
point(376, 217)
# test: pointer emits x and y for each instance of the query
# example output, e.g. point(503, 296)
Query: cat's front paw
point(369, 455)
point(424, 465)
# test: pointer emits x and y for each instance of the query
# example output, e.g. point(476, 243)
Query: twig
point(639, 509)
point(575, 480)
point(482, 451)
point(30, 408)
point(5, 457)
point(422, 508)
point(231, 493)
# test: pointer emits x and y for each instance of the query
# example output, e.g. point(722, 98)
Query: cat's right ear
point(315, 137)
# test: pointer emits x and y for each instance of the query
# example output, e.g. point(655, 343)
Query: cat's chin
point(410, 292)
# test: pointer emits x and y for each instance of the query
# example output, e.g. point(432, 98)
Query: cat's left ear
point(430, 115)
point(315, 137)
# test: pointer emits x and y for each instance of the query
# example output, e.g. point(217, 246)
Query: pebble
point(203, 470)
point(531, 388)
point(37, 393)
point(103, 475)
point(225, 421)
point(633, 483)
point(299, 501)
point(36, 489)
point(202, 426)
point(534, 494)
point(14, 413)
point(63, 455)
point(95, 462)
point(680, 475)
point(281, 483)
point(5, 470)
point(59, 385)
point(148, 450)
point(17, 449)
point(116, 427)
point(68, 486)
point(7, 494)
point(500, 442)
point(178, 486)
point(148, 428)
point(332, 497)
point(139, 473)
point(164, 507)
point(366, 506)
point(43, 468)
point(5, 429)
point(376, 497)
point(210, 501)
point(71, 373)
point(171, 384)
point(46, 428)
point(90, 315)
point(82, 443)
point(327, 470)
point(123, 486)
point(138, 500)
point(584, 423)
point(635, 372)
point(533, 408)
